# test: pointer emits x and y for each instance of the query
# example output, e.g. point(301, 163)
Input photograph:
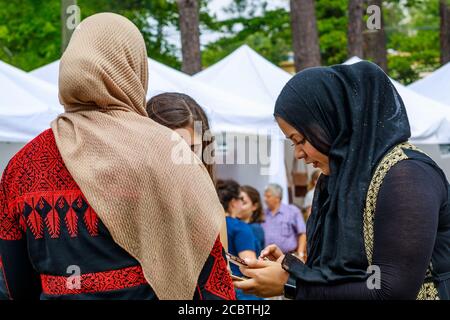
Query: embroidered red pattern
point(219, 281)
point(52, 221)
point(41, 196)
point(94, 282)
point(91, 221)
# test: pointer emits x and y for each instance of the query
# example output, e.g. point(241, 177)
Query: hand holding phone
point(236, 260)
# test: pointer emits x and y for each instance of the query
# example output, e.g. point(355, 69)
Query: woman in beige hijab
point(98, 201)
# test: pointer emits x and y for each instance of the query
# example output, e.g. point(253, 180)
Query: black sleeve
point(18, 280)
point(406, 221)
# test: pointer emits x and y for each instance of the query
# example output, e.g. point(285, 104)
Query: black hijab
point(354, 115)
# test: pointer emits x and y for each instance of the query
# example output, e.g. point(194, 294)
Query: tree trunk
point(190, 36)
point(375, 41)
point(355, 29)
point(305, 38)
point(69, 17)
point(444, 9)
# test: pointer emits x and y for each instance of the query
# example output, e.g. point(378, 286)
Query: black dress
point(411, 214)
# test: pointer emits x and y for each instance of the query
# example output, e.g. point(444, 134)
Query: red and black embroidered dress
point(54, 246)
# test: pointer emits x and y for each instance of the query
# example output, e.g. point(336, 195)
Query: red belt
point(93, 282)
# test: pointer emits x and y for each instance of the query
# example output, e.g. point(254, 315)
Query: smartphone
point(236, 260)
point(238, 278)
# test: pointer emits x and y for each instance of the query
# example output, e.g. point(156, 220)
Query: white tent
point(429, 119)
point(27, 106)
point(436, 85)
point(48, 73)
point(227, 112)
point(42, 90)
point(247, 74)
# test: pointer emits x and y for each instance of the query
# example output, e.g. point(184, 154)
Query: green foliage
point(332, 20)
point(30, 34)
point(415, 39)
point(269, 34)
point(30, 30)
point(150, 16)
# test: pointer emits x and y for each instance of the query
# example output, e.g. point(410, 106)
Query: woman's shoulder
point(235, 223)
point(42, 145)
point(41, 161)
point(416, 176)
point(414, 168)
point(242, 227)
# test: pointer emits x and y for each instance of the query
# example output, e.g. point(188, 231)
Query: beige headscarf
point(166, 215)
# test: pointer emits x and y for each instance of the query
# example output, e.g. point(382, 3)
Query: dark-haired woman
point(241, 240)
point(252, 214)
point(380, 221)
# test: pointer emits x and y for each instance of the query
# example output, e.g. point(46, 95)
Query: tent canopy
point(429, 119)
point(27, 107)
point(226, 112)
point(435, 86)
point(42, 90)
point(247, 74)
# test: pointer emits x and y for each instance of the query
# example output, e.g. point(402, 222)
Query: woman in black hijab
point(380, 222)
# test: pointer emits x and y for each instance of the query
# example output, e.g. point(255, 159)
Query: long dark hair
point(178, 110)
point(253, 194)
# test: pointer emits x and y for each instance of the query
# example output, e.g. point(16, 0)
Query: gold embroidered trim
point(428, 290)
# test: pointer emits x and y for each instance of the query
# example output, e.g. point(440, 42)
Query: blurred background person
point(253, 214)
point(241, 240)
point(284, 224)
point(310, 194)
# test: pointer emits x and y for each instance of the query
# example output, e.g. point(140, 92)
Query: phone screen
point(236, 260)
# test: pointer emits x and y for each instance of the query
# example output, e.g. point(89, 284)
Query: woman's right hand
point(272, 253)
